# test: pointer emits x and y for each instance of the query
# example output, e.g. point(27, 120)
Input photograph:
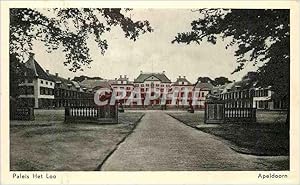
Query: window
point(42, 82)
point(203, 94)
point(142, 85)
point(46, 83)
point(157, 85)
point(128, 88)
point(30, 90)
point(50, 83)
point(147, 85)
point(42, 90)
point(162, 85)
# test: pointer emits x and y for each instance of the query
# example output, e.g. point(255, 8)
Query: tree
point(221, 81)
point(83, 77)
point(66, 28)
point(69, 28)
point(261, 35)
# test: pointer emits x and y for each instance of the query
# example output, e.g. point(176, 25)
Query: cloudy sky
point(152, 52)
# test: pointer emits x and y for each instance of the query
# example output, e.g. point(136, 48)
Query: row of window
point(127, 88)
point(26, 80)
point(46, 82)
point(152, 85)
point(261, 93)
point(236, 95)
point(46, 91)
point(72, 94)
point(26, 90)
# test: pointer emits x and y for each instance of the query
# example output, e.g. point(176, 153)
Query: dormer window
point(42, 81)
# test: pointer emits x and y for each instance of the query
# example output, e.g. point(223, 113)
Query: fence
point(102, 115)
point(215, 112)
point(240, 115)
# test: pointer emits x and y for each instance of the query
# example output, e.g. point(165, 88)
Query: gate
point(22, 113)
point(214, 112)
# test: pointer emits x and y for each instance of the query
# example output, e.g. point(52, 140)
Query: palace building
point(41, 89)
point(37, 87)
point(246, 94)
point(150, 82)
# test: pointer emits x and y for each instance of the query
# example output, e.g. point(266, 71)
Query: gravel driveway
point(162, 143)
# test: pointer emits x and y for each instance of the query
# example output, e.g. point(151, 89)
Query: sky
point(152, 52)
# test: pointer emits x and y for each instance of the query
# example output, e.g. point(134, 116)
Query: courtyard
point(147, 140)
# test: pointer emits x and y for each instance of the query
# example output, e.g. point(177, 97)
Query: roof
point(27, 71)
point(93, 84)
point(112, 82)
point(122, 78)
point(243, 84)
point(37, 70)
point(65, 83)
point(204, 86)
point(180, 79)
point(233, 86)
point(152, 76)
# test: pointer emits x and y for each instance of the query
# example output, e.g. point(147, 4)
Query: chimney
point(56, 74)
point(179, 76)
point(141, 72)
point(69, 79)
point(120, 76)
point(125, 76)
point(164, 72)
point(31, 55)
point(116, 78)
point(47, 71)
point(184, 77)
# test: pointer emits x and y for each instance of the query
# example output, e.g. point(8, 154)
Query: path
point(162, 143)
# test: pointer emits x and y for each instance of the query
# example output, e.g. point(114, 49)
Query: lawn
point(268, 136)
point(68, 147)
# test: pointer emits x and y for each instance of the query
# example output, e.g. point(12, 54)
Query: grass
point(66, 147)
point(269, 136)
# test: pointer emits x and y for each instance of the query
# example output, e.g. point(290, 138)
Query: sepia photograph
point(149, 90)
point(176, 105)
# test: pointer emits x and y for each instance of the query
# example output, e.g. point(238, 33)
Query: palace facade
point(40, 89)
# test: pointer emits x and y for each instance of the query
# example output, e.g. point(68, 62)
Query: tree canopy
point(217, 81)
point(69, 29)
point(262, 36)
point(221, 80)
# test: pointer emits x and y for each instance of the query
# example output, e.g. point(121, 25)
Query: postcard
point(157, 92)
